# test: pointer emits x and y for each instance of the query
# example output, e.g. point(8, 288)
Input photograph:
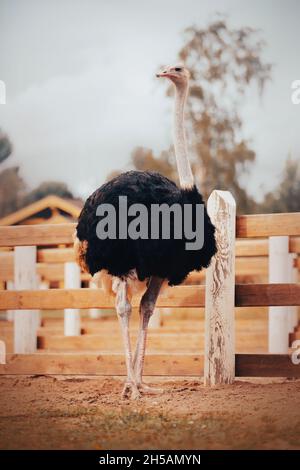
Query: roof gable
point(51, 202)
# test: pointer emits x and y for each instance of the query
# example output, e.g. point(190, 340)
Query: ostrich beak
point(163, 74)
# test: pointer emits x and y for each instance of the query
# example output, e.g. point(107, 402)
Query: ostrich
point(127, 266)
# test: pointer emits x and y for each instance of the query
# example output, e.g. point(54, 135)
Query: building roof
point(50, 209)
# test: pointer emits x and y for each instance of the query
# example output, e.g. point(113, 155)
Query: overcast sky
point(81, 91)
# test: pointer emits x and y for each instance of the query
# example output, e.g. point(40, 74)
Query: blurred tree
point(143, 159)
point(5, 146)
point(12, 186)
point(47, 188)
point(113, 174)
point(286, 197)
point(13, 193)
point(223, 63)
point(12, 190)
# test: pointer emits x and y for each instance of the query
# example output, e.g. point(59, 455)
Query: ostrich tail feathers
point(80, 249)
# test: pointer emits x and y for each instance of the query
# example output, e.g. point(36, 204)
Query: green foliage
point(286, 197)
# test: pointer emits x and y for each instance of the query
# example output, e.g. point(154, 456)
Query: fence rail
point(160, 364)
point(247, 226)
point(246, 295)
point(54, 271)
point(243, 248)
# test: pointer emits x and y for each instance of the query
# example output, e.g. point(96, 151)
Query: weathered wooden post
point(72, 316)
point(10, 313)
point(25, 321)
point(44, 285)
point(94, 312)
point(219, 362)
point(2, 352)
point(293, 278)
point(279, 316)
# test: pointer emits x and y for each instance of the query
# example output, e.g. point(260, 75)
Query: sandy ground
point(88, 413)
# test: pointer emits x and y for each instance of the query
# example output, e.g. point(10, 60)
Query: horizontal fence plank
point(40, 235)
point(168, 364)
point(252, 247)
point(179, 296)
point(265, 365)
point(259, 295)
point(247, 226)
point(56, 299)
point(100, 364)
point(246, 341)
point(294, 245)
point(169, 326)
point(245, 266)
point(243, 248)
point(51, 268)
point(55, 255)
point(47, 272)
point(106, 326)
point(44, 255)
point(267, 225)
point(113, 342)
point(260, 247)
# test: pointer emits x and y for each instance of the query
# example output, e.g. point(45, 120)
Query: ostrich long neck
point(183, 164)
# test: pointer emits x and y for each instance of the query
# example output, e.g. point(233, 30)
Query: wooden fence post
point(25, 321)
point(219, 362)
point(72, 316)
point(293, 278)
point(2, 352)
point(279, 316)
point(10, 313)
point(44, 285)
point(94, 313)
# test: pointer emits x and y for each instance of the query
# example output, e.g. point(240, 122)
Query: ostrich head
point(178, 74)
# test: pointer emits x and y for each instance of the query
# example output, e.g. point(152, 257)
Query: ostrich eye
point(178, 69)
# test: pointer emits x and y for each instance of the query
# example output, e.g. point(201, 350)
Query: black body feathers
point(167, 259)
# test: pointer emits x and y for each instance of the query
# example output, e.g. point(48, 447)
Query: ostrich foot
point(144, 388)
point(131, 387)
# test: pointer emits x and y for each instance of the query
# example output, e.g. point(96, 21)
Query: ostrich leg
point(123, 308)
point(147, 306)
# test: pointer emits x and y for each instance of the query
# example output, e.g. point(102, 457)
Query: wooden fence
point(220, 295)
